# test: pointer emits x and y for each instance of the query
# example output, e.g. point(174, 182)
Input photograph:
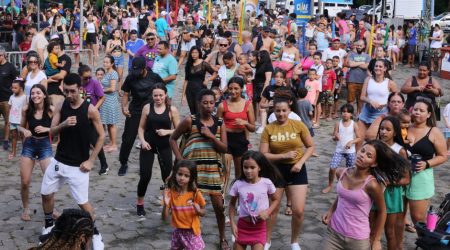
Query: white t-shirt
point(330, 53)
point(186, 46)
point(133, 21)
point(29, 82)
point(90, 27)
point(319, 71)
point(292, 116)
point(436, 44)
point(16, 103)
point(39, 42)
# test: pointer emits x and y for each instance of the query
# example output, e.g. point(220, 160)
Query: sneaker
point(47, 230)
point(6, 145)
point(140, 211)
point(295, 246)
point(123, 170)
point(267, 245)
point(97, 242)
point(260, 130)
point(103, 170)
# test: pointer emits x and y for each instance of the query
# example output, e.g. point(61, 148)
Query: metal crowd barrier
point(17, 58)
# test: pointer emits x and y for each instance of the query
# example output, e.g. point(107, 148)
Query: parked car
point(443, 20)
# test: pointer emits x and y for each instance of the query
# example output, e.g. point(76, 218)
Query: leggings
point(191, 96)
point(129, 135)
point(146, 159)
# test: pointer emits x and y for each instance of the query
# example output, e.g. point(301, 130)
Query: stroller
point(433, 240)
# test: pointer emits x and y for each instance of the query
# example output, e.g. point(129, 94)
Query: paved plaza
point(114, 198)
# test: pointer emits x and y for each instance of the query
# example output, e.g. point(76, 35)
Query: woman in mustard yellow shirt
point(283, 142)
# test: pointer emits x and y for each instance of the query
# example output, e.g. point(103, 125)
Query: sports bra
point(230, 117)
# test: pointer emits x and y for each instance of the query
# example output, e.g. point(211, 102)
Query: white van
point(443, 20)
point(333, 8)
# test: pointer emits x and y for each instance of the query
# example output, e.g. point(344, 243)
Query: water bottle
point(447, 231)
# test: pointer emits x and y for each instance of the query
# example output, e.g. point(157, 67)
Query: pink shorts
point(186, 239)
point(288, 67)
point(251, 234)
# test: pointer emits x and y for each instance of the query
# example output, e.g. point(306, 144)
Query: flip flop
point(10, 157)
point(288, 210)
point(410, 228)
point(224, 245)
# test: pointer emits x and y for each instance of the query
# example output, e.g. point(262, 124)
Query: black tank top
point(73, 147)
point(157, 121)
point(45, 122)
point(417, 95)
point(424, 147)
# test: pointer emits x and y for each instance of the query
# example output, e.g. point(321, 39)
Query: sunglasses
point(223, 45)
point(31, 62)
point(150, 39)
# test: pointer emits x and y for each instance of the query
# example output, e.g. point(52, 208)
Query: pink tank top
point(351, 218)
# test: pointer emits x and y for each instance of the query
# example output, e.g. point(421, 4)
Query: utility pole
point(81, 22)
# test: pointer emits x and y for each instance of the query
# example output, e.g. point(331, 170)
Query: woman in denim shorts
point(37, 145)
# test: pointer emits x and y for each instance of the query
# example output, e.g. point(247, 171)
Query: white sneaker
point(47, 230)
point(295, 246)
point(267, 245)
point(97, 242)
point(260, 130)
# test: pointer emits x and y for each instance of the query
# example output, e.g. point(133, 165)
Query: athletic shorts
point(300, 178)
point(411, 49)
point(37, 148)
point(237, 143)
point(186, 239)
point(91, 38)
point(326, 97)
point(58, 173)
point(350, 159)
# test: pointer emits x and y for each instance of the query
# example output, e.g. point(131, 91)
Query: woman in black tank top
point(158, 121)
point(35, 127)
point(428, 142)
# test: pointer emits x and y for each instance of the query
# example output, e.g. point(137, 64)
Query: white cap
point(280, 17)
point(163, 13)
point(54, 36)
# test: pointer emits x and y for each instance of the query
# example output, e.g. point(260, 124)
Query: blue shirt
point(412, 36)
point(164, 67)
point(161, 27)
point(133, 46)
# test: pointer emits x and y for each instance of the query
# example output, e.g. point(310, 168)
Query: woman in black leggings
point(158, 121)
point(195, 79)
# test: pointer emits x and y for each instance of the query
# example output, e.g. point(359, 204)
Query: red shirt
point(329, 76)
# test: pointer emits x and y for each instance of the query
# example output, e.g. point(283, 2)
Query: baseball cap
point(137, 66)
point(163, 13)
point(335, 40)
point(44, 25)
point(54, 36)
point(280, 17)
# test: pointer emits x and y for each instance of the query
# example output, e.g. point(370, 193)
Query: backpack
point(259, 42)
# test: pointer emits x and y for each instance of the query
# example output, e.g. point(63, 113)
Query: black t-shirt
point(269, 91)
point(7, 74)
point(140, 90)
point(260, 74)
point(68, 64)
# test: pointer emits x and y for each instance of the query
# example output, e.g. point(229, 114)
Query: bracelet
point(427, 164)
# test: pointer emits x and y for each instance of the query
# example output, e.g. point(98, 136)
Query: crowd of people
point(271, 80)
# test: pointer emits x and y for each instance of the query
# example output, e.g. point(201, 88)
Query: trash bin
point(445, 65)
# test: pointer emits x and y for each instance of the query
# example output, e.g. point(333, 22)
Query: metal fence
point(17, 58)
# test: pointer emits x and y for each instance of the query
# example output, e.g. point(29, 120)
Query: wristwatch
point(427, 164)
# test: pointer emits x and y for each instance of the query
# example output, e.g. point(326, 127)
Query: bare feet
point(111, 148)
point(11, 156)
point(25, 214)
point(326, 190)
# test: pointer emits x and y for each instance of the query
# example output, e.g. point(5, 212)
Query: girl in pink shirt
point(358, 188)
point(344, 30)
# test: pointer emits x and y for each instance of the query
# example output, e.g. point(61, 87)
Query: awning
point(338, 1)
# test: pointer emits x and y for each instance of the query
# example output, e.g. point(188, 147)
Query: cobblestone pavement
point(113, 198)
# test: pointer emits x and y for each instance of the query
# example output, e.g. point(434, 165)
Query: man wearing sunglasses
point(215, 58)
point(186, 44)
point(148, 51)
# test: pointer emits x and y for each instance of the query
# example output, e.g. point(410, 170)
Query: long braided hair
point(72, 231)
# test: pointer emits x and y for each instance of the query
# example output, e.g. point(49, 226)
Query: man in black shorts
point(72, 119)
point(138, 83)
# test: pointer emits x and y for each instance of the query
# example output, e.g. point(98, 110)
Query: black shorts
point(91, 38)
point(300, 178)
point(53, 89)
point(237, 143)
point(411, 50)
point(257, 91)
